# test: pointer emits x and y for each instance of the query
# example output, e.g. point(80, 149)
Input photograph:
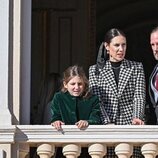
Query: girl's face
point(75, 86)
point(116, 48)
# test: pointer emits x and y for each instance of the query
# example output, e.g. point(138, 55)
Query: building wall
point(63, 34)
point(45, 37)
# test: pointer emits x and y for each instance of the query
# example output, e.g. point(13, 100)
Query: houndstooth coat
point(119, 104)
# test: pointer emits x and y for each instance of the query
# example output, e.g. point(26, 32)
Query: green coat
point(71, 109)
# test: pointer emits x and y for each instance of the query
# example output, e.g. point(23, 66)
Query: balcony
point(96, 137)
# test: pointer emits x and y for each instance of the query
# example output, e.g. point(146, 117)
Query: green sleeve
point(55, 109)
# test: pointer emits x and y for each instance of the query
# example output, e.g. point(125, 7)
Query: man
point(153, 84)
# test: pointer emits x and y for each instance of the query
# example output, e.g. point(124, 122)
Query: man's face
point(154, 43)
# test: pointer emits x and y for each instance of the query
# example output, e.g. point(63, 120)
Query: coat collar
point(125, 72)
point(71, 96)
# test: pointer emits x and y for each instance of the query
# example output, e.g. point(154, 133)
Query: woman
point(119, 83)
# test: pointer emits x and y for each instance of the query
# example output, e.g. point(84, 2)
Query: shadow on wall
point(50, 85)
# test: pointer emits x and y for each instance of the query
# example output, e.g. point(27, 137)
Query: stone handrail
point(94, 133)
point(46, 137)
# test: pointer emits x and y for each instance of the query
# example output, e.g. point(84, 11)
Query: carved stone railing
point(96, 137)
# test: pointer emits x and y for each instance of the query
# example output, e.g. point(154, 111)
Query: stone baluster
point(23, 154)
point(2, 153)
point(23, 150)
point(45, 150)
point(149, 150)
point(97, 150)
point(71, 150)
point(124, 150)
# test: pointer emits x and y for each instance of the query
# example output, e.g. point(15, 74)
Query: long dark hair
point(102, 53)
point(73, 71)
point(113, 33)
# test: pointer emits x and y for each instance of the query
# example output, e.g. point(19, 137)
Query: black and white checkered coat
point(119, 104)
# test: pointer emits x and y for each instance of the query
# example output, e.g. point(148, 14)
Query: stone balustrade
point(96, 138)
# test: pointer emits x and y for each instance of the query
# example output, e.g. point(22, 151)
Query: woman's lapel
point(124, 76)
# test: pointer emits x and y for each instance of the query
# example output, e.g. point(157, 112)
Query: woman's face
point(116, 48)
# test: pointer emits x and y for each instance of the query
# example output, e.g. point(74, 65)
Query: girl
point(74, 105)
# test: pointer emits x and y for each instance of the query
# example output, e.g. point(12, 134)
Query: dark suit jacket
point(70, 109)
point(123, 103)
point(154, 108)
point(151, 94)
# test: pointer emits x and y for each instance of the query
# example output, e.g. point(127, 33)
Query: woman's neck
point(115, 64)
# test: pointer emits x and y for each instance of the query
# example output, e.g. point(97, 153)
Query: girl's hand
point(137, 121)
point(57, 124)
point(82, 124)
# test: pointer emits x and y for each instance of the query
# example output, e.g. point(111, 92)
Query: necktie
point(156, 81)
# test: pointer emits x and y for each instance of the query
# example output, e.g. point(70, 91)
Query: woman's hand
point(137, 121)
point(82, 124)
point(57, 124)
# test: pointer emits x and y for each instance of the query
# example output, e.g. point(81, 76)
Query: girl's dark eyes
point(79, 84)
point(72, 83)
